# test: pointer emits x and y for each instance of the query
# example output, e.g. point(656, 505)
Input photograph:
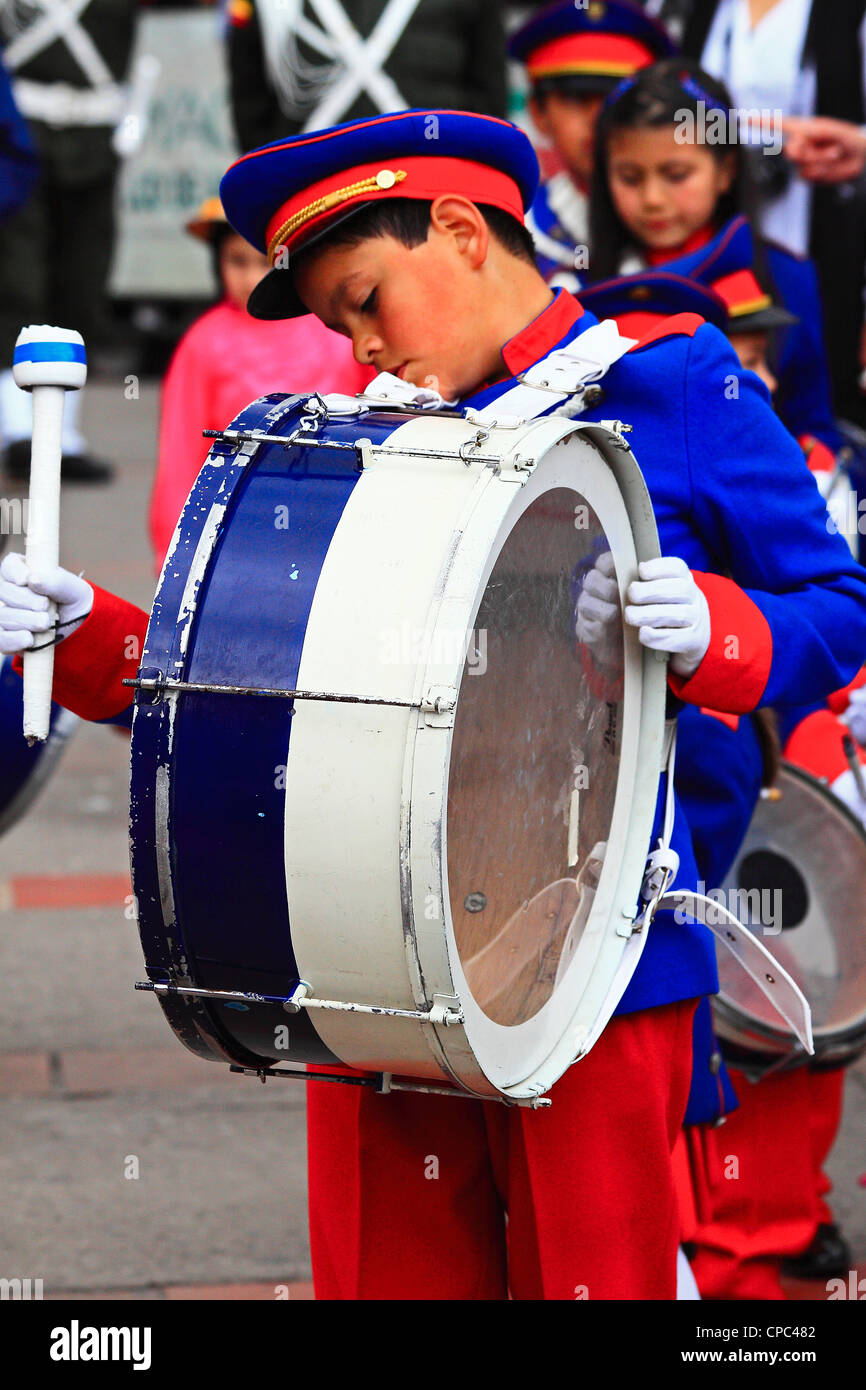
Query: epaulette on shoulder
point(677, 326)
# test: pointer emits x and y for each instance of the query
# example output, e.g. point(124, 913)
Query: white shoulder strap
point(774, 982)
point(760, 965)
point(564, 373)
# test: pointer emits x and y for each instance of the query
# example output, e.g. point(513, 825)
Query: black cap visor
point(577, 84)
point(275, 296)
point(761, 321)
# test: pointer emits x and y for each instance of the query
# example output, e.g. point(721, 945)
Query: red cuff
point(734, 672)
point(731, 721)
point(819, 458)
point(839, 701)
point(90, 665)
point(816, 745)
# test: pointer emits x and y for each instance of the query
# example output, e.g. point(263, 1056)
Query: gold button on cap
point(386, 178)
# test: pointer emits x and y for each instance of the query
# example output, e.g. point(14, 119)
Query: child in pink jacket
point(227, 359)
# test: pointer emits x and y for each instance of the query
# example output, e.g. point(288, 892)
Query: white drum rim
point(627, 510)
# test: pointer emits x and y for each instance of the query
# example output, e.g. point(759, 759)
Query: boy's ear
point(538, 112)
point(464, 222)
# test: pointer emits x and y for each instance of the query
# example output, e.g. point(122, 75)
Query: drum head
point(799, 882)
point(553, 770)
point(535, 763)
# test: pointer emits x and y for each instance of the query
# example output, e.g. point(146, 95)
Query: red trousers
point(409, 1193)
point(752, 1190)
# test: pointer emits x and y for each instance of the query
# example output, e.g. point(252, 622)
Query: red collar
point(540, 336)
point(692, 243)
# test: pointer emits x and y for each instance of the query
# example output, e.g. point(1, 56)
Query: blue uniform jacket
point(718, 779)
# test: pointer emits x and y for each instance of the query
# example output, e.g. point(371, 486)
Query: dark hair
point(408, 221)
point(220, 233)
point(574, 85)
point(657, 96)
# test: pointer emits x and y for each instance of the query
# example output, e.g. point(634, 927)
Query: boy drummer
point(404, 232)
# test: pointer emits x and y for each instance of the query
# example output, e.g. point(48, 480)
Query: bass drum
point(800, 878)
point(24, 769)
point(369, 755)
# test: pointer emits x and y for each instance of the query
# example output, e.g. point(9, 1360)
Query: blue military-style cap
point(589, 47)
point(286, 196)
point(640, 302)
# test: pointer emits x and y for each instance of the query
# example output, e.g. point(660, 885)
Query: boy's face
point(664, 191)
point(421, 313)
point(751, 348)
point(241, 268)
point(569, 124)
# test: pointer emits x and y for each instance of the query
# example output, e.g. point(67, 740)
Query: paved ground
point(93, 1084)
point(128, 1167)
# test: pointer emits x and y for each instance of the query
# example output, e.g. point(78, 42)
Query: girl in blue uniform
point(671, 188)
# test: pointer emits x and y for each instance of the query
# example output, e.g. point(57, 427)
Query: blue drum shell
point(207, 797)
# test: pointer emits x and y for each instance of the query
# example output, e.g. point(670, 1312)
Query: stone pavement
point(129, 1168)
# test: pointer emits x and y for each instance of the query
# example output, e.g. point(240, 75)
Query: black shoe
point(84, 468)
point(74, 468)
point(17, 460)
point(828, 1255)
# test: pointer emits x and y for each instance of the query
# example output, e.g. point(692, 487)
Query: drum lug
point(364, 450)
point(437, 705)
point(151, 680)
point(446, 1009)
point(619, 429)
point(303, 989)
point(517, 464)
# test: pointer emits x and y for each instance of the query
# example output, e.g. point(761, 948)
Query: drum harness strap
point(567, 374)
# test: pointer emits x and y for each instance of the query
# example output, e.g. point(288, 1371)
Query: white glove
point(24, 598)
point(855, 714)
point(598, 605)
point(845, 787)
point(670, 611)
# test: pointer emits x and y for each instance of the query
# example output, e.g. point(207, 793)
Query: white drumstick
point(48, 362)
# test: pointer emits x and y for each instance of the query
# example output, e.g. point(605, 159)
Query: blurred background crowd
point(117, 118)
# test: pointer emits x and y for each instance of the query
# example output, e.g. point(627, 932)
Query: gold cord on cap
point(385, 179)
